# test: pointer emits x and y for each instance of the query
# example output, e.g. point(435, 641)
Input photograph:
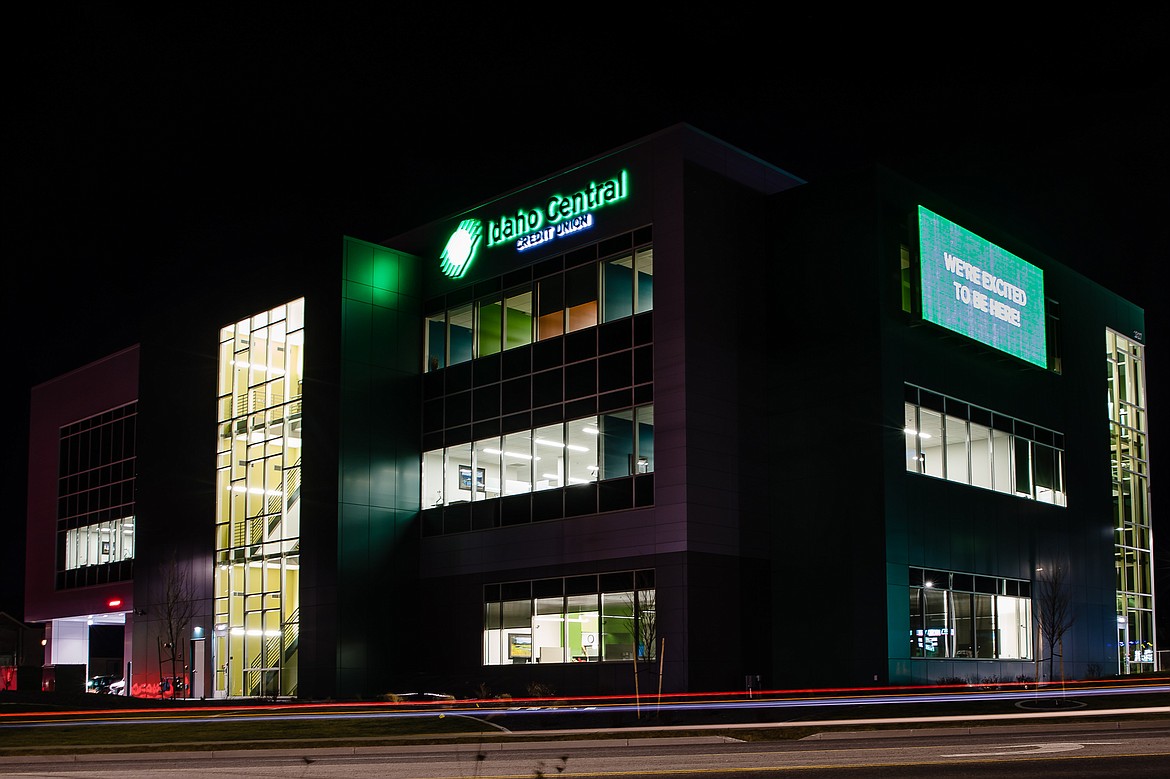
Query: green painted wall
point(378, 459)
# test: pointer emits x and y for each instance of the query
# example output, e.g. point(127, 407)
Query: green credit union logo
point(461, 248)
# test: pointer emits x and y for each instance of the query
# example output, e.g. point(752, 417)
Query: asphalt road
point(1130, 749)
point(1106, 730)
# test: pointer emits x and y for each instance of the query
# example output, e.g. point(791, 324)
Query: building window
point(617, 286)
point(1129, 457)
point(965, 616)
point(581, 619)
point(906, 278)
point(1052, 333)
point(460, 339)
point(516, 463)
point(949, 439)
point(95, 499)
point(548, 460)
point(643, 280)
point(258, 506)
point(581, 297)
point(436, 341)
point(489, 326)
point(550, 299)
point(589, 449)
point(104, 542)
point(518, 319)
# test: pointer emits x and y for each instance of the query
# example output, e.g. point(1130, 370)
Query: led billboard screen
point(975, 288)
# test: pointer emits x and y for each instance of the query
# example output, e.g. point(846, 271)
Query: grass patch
point(108, 734)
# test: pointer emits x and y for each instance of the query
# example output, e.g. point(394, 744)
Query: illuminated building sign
point(559, 216)
point(977, 289)
point(545, 234)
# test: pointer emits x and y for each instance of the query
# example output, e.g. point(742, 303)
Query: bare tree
point(642, 607)
point(178, 609)
point(647, 625)
point(1053, 604)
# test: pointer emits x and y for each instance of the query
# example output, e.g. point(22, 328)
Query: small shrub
point(952, 680)
point(539, 690)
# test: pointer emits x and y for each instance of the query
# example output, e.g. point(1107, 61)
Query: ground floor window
point(958, 615)
point(577, 619)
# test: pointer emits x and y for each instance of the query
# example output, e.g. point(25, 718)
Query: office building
point(668, 416)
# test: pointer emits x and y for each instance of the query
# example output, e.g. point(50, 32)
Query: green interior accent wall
point(489, 328)
point(379, 455)
point(519, 328)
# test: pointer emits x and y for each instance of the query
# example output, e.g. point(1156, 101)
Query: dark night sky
point(138, 145)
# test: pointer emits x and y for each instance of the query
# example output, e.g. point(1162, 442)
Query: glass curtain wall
point(96, 499)
point(257, 530)
point(1129, 456)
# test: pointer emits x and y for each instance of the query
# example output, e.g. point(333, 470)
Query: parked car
point(117, 688)
point(422, 697)
point(100, 684)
